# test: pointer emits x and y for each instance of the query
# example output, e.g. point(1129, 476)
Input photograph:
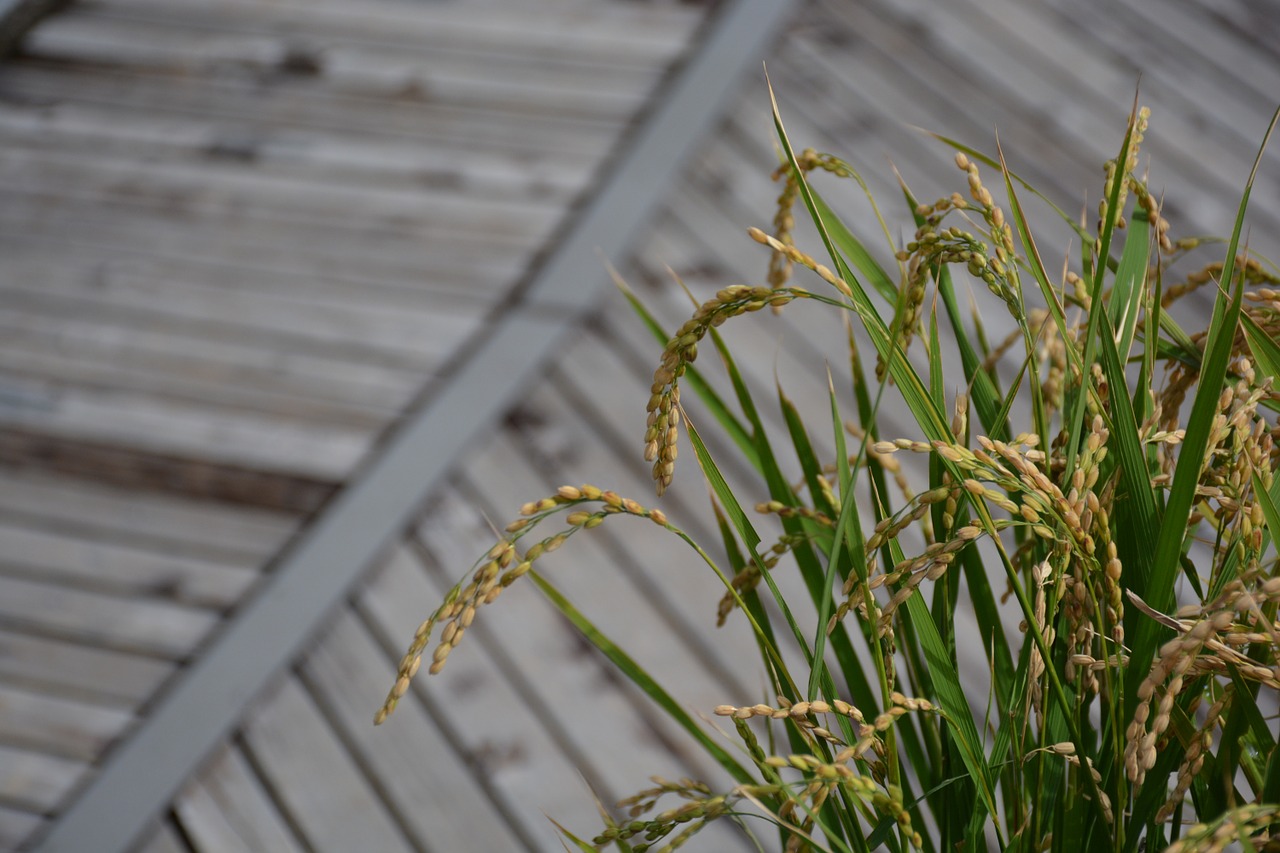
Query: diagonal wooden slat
point(140, 778)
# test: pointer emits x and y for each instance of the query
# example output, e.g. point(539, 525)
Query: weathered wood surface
point(281, 221)
point(525, 720)
point(241, 239)
point(104, 593)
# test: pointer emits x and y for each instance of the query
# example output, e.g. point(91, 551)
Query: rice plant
point(1105, 517)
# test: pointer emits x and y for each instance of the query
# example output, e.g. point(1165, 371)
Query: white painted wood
point(424, 771)
point(295, 748)
point(111, 678)
point(226, 808)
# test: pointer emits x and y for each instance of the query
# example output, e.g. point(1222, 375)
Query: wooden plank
point(35, 781)
point(302, 103)
point(483, 705)
point(1235, 128)
point(293, 152)
point(422, 769)
point(191, 478)
point(77, 670)
point(168, 427)
point(16, 826)
point(438, 285)
point(907, 81)
point(43, 204)
point(464, 272)
point(379, 71)
point(131, 625)
point(1175, 72)
point(401, 262)
point(123, 569)
point(424, 336)
point(294, 747)
point(216, 190)
point(603, 32)
point(227, 808)
point(67, 728)
point(178, 525)
point(1249, 22)
point(57, 356)
point(263, 366)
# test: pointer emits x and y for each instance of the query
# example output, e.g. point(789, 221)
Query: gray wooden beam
point(637, 181)
point(141, 777)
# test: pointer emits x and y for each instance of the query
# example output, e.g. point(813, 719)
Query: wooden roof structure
point(300, 299)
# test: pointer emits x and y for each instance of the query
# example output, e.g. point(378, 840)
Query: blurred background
point(300, 299)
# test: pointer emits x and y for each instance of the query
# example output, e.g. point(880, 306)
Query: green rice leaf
point(746, 532)
point(809, 463)
point(1139, 514)
point(1271, 783)
point(1128, 291)
point(847, 506)
point(955, 706)
point(1270, 502)
point(1263, 348)
point(1245, 715)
